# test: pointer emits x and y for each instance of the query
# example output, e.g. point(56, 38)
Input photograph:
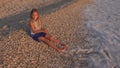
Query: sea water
point(103, 21)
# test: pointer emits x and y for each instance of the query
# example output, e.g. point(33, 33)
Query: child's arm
point(33, 28)
point(43, 29)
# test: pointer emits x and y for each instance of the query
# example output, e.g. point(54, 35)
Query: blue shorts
point(36, 36)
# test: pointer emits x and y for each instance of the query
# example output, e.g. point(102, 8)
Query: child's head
point(34, 14)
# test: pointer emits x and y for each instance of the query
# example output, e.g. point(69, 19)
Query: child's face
point(35, 15)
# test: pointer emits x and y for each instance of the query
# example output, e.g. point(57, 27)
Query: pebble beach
point(73, 22)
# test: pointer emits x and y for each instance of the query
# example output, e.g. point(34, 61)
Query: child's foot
point(62, 49)
point(64, 46)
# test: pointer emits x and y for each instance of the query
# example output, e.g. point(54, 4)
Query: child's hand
point(44, 30)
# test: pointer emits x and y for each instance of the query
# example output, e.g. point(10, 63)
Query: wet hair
point(32, 11)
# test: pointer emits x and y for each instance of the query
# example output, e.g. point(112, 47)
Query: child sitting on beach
point(40, 34)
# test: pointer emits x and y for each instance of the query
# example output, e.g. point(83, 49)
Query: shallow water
point(103, 21)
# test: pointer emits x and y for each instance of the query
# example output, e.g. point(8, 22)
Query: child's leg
point(49, 43)
point(62, 46)
point(52, 39)
point(56, 41)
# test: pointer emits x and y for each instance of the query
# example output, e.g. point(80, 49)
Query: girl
point(40, 34)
